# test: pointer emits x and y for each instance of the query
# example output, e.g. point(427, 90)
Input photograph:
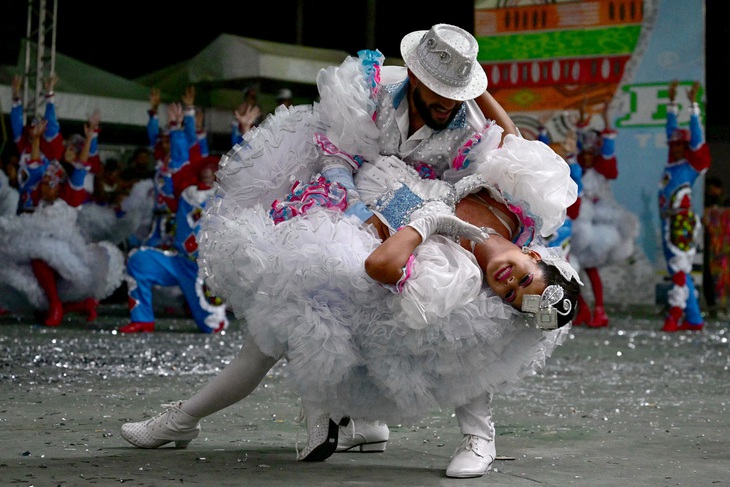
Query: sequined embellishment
point(397, 208)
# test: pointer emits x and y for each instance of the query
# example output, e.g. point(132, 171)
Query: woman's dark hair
point(551, 275)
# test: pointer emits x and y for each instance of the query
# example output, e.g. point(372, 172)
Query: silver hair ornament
point(546, 307)
point(554, 256)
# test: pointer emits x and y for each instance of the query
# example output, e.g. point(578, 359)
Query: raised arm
point(153, 124)
point(494, 111)
point(91, 130)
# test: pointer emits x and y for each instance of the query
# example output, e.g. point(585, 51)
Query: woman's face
point(513, 273)
point(70, 154)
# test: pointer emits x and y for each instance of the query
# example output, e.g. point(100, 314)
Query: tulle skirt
point(605, 232)
point(9, 196)
point(353, 346)
point(84, 269)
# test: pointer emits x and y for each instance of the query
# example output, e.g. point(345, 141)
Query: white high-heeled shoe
point(172, 425)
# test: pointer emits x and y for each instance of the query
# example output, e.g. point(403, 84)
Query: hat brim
point(477, 86)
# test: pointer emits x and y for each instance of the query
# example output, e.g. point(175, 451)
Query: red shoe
point(671, 322)
point(138, 327)
point(686, 325)
point(55, 315)
point(600, 319)
point(87, 306)
point(583, 316)
point(91, 304)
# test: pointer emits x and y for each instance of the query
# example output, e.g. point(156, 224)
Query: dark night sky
point(139, 37)
point(142, 36)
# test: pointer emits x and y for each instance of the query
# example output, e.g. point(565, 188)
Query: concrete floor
point(626, 405)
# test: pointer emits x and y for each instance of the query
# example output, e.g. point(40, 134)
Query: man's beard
point(425, 113)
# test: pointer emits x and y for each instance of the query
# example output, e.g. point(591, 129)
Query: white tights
point(245, 372)
point(236, 381)
point(475, 418)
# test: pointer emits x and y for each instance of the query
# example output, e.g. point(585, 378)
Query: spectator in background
point(73, 156)
point(715, 200)
point(715, 192)
point(48, 265)
point(604, 232)
point(10, 161)
point(8, 194)
point(247, 115)
point(109, 190)
point(284, 97)
point(30, 172)
point(194, 126)
point(568, 150)
point(138, 167)
point(166, 164)
point(688, 159)
point(148, 267)
point(82, 163)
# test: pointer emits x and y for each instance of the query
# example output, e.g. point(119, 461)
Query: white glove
point(447, 225)
point(469, 184)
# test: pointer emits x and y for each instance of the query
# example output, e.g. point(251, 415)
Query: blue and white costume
point(680, 225)
point(150, 266)
point(300, 285)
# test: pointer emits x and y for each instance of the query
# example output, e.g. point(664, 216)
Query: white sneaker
point(363, 436)
point(172, 425)
point(473, 458)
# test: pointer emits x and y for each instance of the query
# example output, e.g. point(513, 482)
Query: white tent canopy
point(219, 72)
point(236, 61)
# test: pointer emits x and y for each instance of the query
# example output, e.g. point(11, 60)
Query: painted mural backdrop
point(544, 58)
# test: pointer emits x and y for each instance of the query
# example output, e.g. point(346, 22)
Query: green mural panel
point(559, 44)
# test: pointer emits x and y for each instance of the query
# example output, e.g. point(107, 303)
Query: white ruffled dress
point(605, 231)
point(51, 233)
point(354, 347)
point(9, 196)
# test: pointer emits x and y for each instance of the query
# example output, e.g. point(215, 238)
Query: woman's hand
point(380, 227)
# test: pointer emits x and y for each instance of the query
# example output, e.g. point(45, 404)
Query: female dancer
point(48, 263)
point(354, 348)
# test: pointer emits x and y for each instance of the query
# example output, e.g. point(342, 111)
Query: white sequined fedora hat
point(445, 60)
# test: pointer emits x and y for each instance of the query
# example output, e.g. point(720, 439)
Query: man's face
point(677, 149)
point(436, 111)
point(49, 190)
point(588, 158)
point(165, 143)
point(207, 176)
point(142, 159)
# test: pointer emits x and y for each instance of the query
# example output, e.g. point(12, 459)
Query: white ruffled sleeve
point(530, 175)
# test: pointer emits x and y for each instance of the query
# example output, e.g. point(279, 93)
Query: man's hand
point(693, 91)
point(188, 98)
point(246, 116)
point(50, 83)
point(154, 99)
point(673, 90)
point(17, 86)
